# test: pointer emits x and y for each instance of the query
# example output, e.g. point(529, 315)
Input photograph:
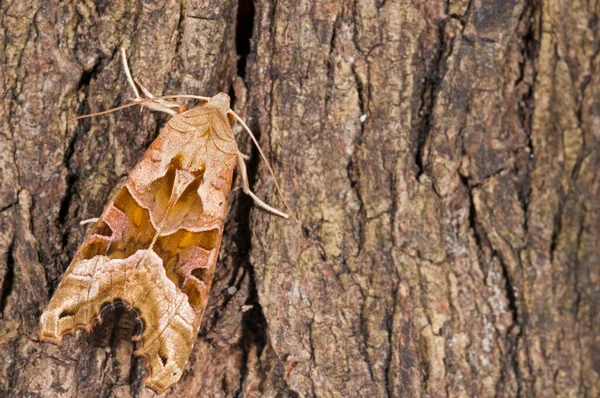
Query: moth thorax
point(221, 102)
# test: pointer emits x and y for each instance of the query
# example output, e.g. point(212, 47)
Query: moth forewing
point(156, 244)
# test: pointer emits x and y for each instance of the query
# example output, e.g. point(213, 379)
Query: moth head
point(221, 102)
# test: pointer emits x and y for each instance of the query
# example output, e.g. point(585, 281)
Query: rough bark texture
point(449, 243)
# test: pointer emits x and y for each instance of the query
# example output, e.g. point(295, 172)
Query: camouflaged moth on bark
point(156, 244)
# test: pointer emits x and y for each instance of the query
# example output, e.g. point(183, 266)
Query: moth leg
point(244, 156)
point(169, 104)
point(156, 105)
point(88, 221)
point(128, 74)
point(160, 105)
point(247, 191)
point(260, 151)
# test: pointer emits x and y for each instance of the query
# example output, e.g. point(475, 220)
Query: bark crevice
point(6, 289)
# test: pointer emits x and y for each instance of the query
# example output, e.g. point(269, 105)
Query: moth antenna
point(118, 108)
point(142, 102)
point(198, 97)
point(262, 155)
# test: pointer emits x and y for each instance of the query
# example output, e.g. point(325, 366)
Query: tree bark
point(447, 244)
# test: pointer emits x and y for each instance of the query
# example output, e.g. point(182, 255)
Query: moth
point(155, 246)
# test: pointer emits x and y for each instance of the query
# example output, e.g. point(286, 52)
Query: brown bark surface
point(449, 243)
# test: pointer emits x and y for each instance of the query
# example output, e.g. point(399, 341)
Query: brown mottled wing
point(155, 246)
